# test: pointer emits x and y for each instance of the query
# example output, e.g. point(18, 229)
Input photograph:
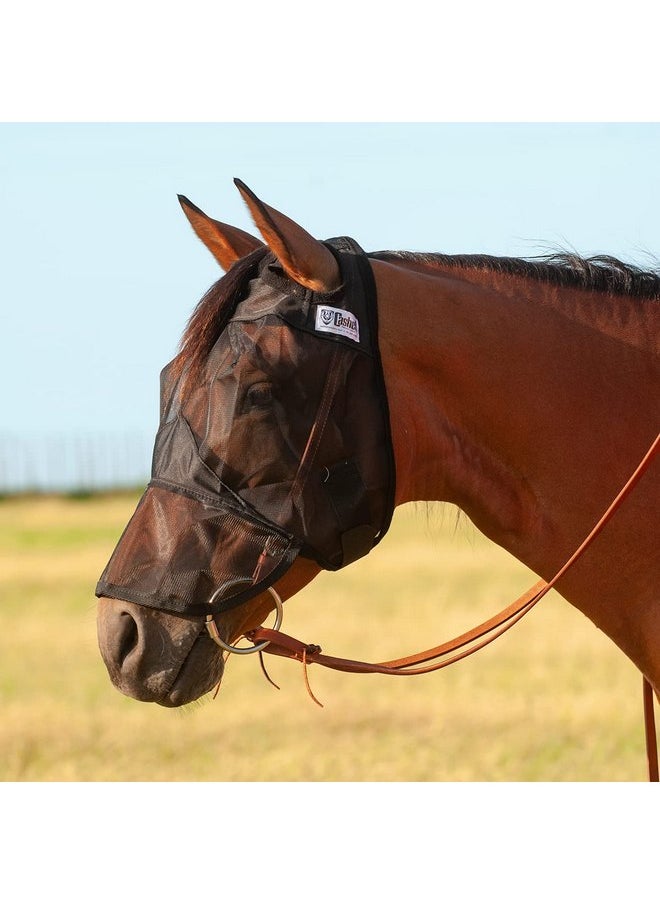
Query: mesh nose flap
point(177, 551)
point(274, 443)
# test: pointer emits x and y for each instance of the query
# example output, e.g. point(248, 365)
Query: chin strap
point(279, 644)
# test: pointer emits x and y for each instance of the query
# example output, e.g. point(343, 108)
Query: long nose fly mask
point(281, 448)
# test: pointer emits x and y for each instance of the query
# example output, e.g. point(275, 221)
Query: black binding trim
point(347, 245)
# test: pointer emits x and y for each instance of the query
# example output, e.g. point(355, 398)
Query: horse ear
point(227, 244)
point(304, 258)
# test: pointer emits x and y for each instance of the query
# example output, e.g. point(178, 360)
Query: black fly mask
point(282, 449)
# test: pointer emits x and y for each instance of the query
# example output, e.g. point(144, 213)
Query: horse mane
point(211, 315)
point(600, 273)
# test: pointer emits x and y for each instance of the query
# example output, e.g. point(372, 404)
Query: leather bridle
point(280, 644)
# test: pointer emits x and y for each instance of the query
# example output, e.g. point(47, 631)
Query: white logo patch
point(335, 320)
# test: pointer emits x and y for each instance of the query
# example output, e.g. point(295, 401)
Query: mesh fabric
point(281, 448)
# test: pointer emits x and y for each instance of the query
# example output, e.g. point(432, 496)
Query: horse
point(523, 391)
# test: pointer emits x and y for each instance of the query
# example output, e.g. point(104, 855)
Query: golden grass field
point(553, 700)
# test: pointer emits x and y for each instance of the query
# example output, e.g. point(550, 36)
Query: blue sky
point(101, 269)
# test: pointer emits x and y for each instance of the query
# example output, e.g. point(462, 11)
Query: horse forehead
point(261, 299)
point(264, 345)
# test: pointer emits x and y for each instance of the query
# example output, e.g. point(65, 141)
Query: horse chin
point(200, 672)
point(156, 657)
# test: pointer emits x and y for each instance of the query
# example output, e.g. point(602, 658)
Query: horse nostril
point(127, 637)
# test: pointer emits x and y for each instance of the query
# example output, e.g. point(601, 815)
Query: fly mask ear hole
point(306, 260)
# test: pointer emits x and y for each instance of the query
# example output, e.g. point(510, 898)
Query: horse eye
point(260, 395)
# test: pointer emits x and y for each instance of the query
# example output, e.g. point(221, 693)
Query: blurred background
point(100, 273)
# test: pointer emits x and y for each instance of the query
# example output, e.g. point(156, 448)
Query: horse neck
point(511, 399)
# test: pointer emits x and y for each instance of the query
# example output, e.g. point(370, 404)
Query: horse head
point(272, 459)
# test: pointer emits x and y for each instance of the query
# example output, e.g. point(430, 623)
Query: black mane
point(600, 273)
point(597, 274)
point(211, 314)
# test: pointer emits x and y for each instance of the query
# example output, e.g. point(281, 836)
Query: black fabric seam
point(219, 504)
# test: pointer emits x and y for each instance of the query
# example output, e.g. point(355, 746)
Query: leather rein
point(280, 644)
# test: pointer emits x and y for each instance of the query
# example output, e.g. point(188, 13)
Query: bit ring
point(212, 628)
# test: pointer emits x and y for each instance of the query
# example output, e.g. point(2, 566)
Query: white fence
point(74, 463)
